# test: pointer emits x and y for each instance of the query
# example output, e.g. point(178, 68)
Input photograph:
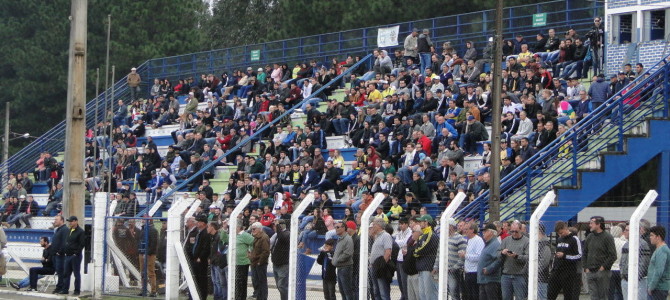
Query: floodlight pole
point(494, 191)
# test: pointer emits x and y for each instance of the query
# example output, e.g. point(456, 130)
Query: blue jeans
point(341, 125)
point(344, 280)
point(281, 280)
point(381, 286)
point(314, 102)
point(217, 281)
point(542, 288)
point(72, 265)
point(405, 175)
point(425, 61)
point(514, 285)
point(641, 288)
point(573, 67)
point(260, 273)
point(427, 287)
point(454, 284)
point(402, 280)
point(305, 220)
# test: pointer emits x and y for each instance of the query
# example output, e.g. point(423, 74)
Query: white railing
point(293, 250)
point(634, 243)
point(444, 245)
point(232, 243)
point(533, 247)
point(364, 257)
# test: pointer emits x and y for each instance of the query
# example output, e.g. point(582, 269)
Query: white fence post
point(634, 243)
point(533, 247)
point(174, 226)
point(364, 257)
point(98, 243)
point(232, 243)
point(293, 246)
point(444, 245)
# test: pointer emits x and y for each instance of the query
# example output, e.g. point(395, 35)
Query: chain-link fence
point(135, 256)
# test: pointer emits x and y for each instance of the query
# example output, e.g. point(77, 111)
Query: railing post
point(634, 243)
point(364, 246)
point(293, 247)
point(443, 292)
point(365, 40)
point(529, 179)
point(232, 244)
point(666, 90)
point(575, 153)
point(621, 124)
point(533, 244)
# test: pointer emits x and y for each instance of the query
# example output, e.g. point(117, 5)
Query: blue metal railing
point(476, 27)
point(258, 133)
point(559, 163)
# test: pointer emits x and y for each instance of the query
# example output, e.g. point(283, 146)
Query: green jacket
point(257, 168)
point(658, 276)
point(244, 244)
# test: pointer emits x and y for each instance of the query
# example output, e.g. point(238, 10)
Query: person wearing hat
point(425, 254)
point(489, 266)
point(410, 45)
point(457, 245)
point(134, 80)
point(199, 254)
point(259, 255)
point(380, 255)
point(621, 82)
point(343, 259)
point(72, 250)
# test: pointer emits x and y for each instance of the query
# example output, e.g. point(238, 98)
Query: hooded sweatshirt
point(599, 90)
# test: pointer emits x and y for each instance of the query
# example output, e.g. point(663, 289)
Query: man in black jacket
point(279, 247)
point(564, 275)
point(199, 255)
point(72, 249)
point(148, 252)
point(47, 264)
point(60, 234)
point(332, 174)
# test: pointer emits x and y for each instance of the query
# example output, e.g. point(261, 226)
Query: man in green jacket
point(244, 244)
point(599, 255)
point(658, 276)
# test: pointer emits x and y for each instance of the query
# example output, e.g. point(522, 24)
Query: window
point(625, 29)
point(657, 28)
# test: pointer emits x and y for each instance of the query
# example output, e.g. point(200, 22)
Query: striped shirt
point(456, 243)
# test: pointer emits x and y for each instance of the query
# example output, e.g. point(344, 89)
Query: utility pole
point(5, 148)
point(95, 125)
point(109, 145)
point(494, 190)
point(73, 187)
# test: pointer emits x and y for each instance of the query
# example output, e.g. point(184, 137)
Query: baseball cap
point(425, 218)
point(471, 118)
point(72, 218)
point(491, 227)
point(351, 225)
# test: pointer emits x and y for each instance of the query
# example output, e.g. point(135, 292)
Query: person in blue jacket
point(488, 269)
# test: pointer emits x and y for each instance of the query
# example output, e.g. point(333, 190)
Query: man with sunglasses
point(514, 256)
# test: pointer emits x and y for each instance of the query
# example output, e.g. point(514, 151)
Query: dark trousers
point(72, 265)
point(566, 281)
point(470, 287)
point(58, 266)
point(34, 275)
point(241, 275)
point(200, 274)
point(260, 279)
point(658, 295)
point(329, 289)
point(490, 291)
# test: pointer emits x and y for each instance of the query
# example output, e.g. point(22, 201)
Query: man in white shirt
point(471, 255)
point(525, 127)
point(401, 237)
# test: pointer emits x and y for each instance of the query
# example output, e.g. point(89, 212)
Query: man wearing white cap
point(134, 81)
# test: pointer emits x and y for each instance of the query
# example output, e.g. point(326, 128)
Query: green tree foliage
point(34, 51)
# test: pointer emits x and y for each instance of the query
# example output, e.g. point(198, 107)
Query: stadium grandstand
point(305, 146)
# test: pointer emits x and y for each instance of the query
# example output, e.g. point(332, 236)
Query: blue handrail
point(256, 134)
point(575, 140)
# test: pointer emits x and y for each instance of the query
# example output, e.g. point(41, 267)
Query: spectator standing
point(72, 249)
point(598, 91)
point(544, 258)
point(409, 264)
point(488, 268)
point(133, 80)
point(60, 234)
point(424, 45)
point(244, 243)
point(150, 254)
point(200, 254)
point(472, 255)
point(402, 236)
point(259, 260)
point(410, 45)
point(457, 246)
point(643, 266)
point(615, 292)
point(380, 250)
point(426, 253)
point(514, 258)
point(599, 255)
point(328, 275)
point(280, 256)
point(343, 261)
point(217, 260)
point(658, 278)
